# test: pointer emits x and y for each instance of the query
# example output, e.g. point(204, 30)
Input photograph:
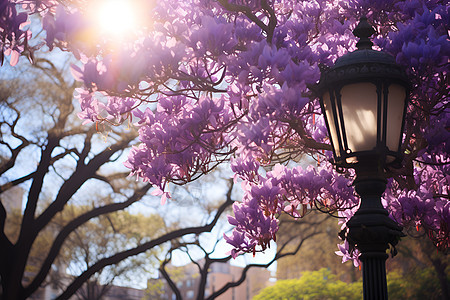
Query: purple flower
point(13, 39)
point(348, 254)
point(205, 84)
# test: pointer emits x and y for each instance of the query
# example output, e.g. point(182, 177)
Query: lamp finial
point(363, 31)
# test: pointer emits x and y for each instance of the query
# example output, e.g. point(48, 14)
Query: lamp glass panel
point(331, 123)
point(395, 107)
point(359, 109)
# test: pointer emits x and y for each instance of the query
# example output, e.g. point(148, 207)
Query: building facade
point(187, 280)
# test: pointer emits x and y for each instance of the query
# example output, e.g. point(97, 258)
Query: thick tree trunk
point(11, 291)
point(442, 276)
point(12, 288)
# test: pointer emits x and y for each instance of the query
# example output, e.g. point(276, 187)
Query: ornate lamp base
point(373, 232)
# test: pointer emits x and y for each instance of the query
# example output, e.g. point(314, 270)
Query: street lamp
point(363, 99)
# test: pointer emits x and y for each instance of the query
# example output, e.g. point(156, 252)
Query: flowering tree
point(207, 82)
point(78, 232)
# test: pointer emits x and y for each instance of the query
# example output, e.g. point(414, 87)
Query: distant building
point(112, 292)
point(316, 252)
point(187, 281)
point(115, 292)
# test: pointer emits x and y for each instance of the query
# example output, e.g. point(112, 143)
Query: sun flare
point(117, 19)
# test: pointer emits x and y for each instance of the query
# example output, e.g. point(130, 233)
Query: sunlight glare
point(117, 18)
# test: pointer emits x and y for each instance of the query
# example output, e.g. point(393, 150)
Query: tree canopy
point(323, 284)
point(75, 194)
point(312, 285)
point(207, 82)
point(66, 202)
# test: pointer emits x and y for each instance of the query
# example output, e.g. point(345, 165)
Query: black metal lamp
point(363, 98)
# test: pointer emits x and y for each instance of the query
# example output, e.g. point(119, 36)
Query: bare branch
point(74, 224)
point(78, 282)
point(82, 173)
point(246, 268)
point(246, 11)
point(169, 280)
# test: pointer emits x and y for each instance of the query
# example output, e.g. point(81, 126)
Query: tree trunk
point(442, 276)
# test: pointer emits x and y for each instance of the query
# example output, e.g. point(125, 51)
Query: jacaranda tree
point(208, 82)
point(79, 232)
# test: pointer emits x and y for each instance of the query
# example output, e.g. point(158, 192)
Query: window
point(190, 294)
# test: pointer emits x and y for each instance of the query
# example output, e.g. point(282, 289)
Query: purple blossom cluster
point(423, 40)
point(347, 254)
point(180, 140)
point(13, 39)
point(114, 109)
point(426, 207)
point(290, 190)
point(232, 79)
point(255, 219)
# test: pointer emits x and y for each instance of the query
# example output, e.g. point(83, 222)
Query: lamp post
point(363, 98)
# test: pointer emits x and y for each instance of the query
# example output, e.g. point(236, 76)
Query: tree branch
point(277, 256)
point(82, 173)
point(308, 141)
point(78, 282)
point(246, 11)
point(272, 20)
point(169, 280)
point(5, 166)
point(71, 226)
